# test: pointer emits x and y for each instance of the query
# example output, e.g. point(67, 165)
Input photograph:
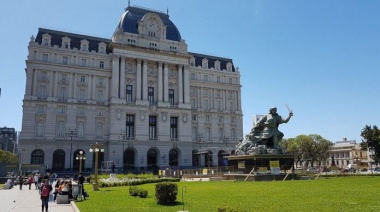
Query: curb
point(74, 206)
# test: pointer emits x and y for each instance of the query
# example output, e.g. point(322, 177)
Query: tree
point(371, 141)
point(7, 157)
point(307, 148)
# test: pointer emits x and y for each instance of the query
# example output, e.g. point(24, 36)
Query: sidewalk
point(25, 200)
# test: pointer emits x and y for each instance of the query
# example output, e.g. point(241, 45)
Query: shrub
point(166, 192)
point(135, 191)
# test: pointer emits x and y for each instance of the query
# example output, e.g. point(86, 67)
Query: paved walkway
point(25, 200)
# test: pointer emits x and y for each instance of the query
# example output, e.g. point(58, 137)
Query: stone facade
point(140, 92)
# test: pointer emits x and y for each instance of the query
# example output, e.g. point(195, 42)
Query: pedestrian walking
point(30, 181)
point(46, 188)
point(20, 181)
point(36, 180)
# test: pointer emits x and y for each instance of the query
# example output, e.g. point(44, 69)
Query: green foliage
point(371, 136)
point(166, 193)
point(7, 157)
point(360, 194)
point(135, 191)
point(137, 182)
point(311, 148)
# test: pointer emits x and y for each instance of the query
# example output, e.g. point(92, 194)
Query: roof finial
point(167, 11)
point(129, 3)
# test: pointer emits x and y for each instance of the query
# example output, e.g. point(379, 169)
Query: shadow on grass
point(172, 204)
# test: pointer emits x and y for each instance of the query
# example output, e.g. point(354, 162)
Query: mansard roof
point(132, 15)
point(75, 39)
point(211, 60)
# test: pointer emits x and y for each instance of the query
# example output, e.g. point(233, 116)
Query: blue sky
point(322, 58)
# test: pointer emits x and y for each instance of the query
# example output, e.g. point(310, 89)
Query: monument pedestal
point(263, 167)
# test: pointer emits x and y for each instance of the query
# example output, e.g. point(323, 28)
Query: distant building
point(346, 152)
point(8, 139)
point(150, 102)
point(256, 118)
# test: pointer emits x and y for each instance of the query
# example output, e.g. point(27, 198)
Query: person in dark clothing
point(81, 181)
point(45, 191)
point(20, 181)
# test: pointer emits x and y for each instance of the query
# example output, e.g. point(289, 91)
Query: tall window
point(151, 95)
point(45, 57)
point(37, 157)
point(208, 134)
point(130, 126)
point(173, 127)
point(171, 96)
point(62, 93)
point(82, 94)
point(129, 93)
point(65, 60)
point(101, 65)
point(152, 127)
point(82, 78)
point(42, 92)
point(99, 95)
point(83, 62)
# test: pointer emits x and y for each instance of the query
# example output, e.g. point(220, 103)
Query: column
point(34, 86)
point(138, 80)
point(56, 85)
point(51, 82)
point(29, 82)
point(114, 78)
point(186, 86)
point(71, 85)
point(107, 90)
point(93, 87)
point(213, 99)
point(145, 80)
point(75, 86)
point(166, 83)
point(160, 85)
point(180, 85)
point(122, 78)
point(89, 87)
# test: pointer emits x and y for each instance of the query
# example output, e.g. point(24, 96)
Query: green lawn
point(324, 194)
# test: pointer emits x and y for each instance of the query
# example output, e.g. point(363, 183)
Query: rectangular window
point(82, 79)
point(99, 95)
point(206, 104)
point(45, 57)
point(218, 79)
point(207, 117)
point(130, 126)
point(205, 78)
point(194, 117)
point(65, 60)
point(152, 127)
point(151, 95)
point(82, 94)
point(173, 127)
point(129, 93)
point(171, 96)
point(192, 76)
point(230, 80)
point(101, 65)
point(62, 93)
point(83, 62)
point(66, 45)
point(193, 103)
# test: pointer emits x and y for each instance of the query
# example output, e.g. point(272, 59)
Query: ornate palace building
point(141, 94)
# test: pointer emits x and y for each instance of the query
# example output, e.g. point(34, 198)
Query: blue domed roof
point(132, 15)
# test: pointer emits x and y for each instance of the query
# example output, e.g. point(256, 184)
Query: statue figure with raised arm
point(264, 137)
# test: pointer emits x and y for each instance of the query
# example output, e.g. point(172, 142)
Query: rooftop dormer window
point(192, 61)
point(46, 40)
point(84, 45)
point(204, 63)
point(229, 67)
point(217, 65)
point(102, 48)
point(66, 42)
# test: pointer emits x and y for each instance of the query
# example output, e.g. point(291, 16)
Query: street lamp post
point(96, 148)
point(81, 156)
point(72, 133)
point(123, 139)
point(199, 141)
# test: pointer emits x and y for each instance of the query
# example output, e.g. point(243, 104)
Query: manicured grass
point(325, 194)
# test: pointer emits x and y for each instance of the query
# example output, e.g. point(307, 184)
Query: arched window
point(195, 158)
point(129, 159)
point(58, 160)
point(173, 157)
point(38, 157)
point(152, 158)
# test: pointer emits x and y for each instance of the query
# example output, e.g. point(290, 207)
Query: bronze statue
point(264, 137)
